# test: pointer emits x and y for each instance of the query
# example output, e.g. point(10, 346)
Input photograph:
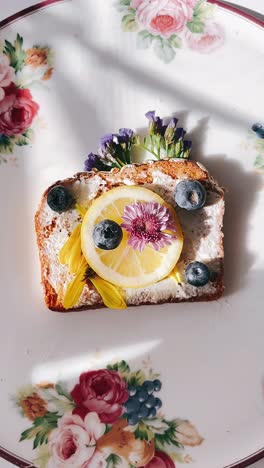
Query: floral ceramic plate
point(71, 71)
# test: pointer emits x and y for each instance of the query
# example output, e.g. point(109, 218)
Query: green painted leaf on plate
point(40, 429)
point(168, 437)
point(129, 22)
point(24, 139)
point(144, 39)
point(136, 378)
point(122, 367)
point(175, 41)
point(164, 50)
point(203, 9)
point(6, 144)
point(143, 431)
point(196, 25)
point(62, 391)
point(16, 53)
point(113, 461)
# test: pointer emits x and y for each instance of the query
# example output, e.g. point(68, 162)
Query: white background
point(9, 7)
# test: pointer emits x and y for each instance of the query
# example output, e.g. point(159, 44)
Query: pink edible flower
point(147, 223)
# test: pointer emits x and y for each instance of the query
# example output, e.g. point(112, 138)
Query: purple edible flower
point(179, 134)
point(90, 162)
point(187, 145)
point(155, 123)
point(108, 143)
point(150, 115)
point(125, 135)
point(94, 161)
point(173, 123)
point(107, 139)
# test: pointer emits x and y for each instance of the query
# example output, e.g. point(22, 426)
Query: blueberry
point(190, 195)
point(152, 413)
point(197, 274)
point(59, 199)
point(148, 386)
point(258, 128)
point(150, 401)
point(132, 391)
point(107, 234)
point(132, 419)
point(132, 405)
point(157, 403)
point(142, 395)
point(143, 412)
point(157, 385)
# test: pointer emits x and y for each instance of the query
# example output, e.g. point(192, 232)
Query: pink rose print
point(164, 17)
point(73, 443)
point(209, 40)
point(7, 74)
point(17, 111)
point(17, 107)
point(102, 391)
point(190, 3)
point(98, 460)
point(135, 3)
point(160, 460)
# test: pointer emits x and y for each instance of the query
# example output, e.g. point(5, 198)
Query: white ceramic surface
point(210, 356)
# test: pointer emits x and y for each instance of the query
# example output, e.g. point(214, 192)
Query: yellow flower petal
point(66, 249)
point(109, 293)
point(75, 287)
point(75, 256)
point(82, 210)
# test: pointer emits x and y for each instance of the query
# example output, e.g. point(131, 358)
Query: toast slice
point(202, 229)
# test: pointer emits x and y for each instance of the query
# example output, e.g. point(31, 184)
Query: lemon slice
point(124, 266)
